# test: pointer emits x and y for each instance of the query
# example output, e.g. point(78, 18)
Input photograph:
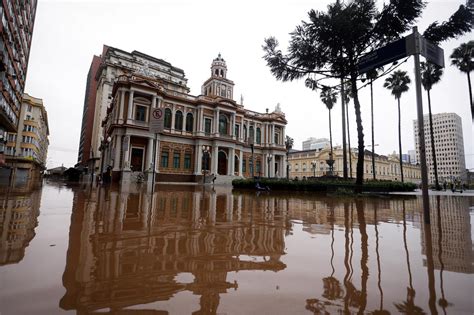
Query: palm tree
point(462, 58)
point(430, 75)
point(329, 98)
point(347, 98)
point(372, 75)
point(398, 84)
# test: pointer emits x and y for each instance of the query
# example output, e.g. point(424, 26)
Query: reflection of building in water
point(18, 219)
point(121, 254)
point(454, 234)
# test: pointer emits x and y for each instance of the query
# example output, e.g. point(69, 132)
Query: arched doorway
point(222, 163)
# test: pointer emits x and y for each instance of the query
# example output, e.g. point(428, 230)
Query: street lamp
point(288, 145)
point(205, 152)
point(313, 165)
point(269, 159)
point(250, 141)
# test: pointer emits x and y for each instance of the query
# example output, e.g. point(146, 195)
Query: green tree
point(329, 98)
point(462, 57)
point(331, 43)
point(430, 75)
point(397, 83)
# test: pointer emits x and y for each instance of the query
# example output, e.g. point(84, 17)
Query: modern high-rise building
point(449, 147)
point(412, 155)
point(16, 30)
point(315, 143)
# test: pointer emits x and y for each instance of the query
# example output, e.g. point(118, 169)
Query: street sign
point(432, 52)
point(382, 56)
point(403, 47)
point(157, 121)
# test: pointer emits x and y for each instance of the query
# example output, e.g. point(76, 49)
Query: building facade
point(315, 143)
point(85, 153)
point(26, 150)
point(209, 133)
point(312, 163)
point(449, 147)
point(16, 30)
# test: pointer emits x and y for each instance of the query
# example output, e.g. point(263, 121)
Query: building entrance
point(222, 163)
point(136, 160)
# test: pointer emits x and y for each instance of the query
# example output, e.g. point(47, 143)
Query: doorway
point(136, 159)
point(222, 163)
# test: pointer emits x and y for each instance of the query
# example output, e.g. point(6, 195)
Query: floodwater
point(200, 250)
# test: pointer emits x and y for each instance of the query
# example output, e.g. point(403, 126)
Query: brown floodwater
point(200, 250)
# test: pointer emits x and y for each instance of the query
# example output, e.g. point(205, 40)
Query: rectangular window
point(258, 167)
point(187, 161)
point(276, 138)
point(164, 159)
point(207, 125)
point(244, 165)
point(237, 131)
point(176, 160)
point(140, 113)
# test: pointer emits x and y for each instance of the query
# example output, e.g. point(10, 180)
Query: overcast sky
point(189, 34)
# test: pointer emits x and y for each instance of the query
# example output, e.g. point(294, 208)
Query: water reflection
point(18, 219)
point(129, 248)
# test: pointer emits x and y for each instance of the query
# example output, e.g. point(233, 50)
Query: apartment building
point(16, 30)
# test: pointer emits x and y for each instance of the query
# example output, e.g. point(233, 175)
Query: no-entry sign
point(157, 120)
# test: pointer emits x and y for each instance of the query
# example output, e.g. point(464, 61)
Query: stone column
point(183, 125)
point(149, 156)
point(216, 130)
point(118, 148)
point(265, 165)
point(230, 164)
point(126, 155)
point(130, 107)
point(197, 160)
point(214, 159)
point(283, 164)
point(173, 113)
point(153, 102)
point(241, 156)
point(122, 105)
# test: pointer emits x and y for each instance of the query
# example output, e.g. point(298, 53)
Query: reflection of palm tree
point(380, 311)
point(332, 286)
point(365, 255)
point(408, 306)
point(442, 301)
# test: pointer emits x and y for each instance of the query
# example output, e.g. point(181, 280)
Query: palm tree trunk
point(433, 152)
point(400, 139)
point(330, 131)
point(470, 95)
point(344, 157)
point(349, 141)
point(372, 126)
point(360, 135)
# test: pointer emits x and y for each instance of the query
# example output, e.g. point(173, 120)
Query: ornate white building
point(210, 133)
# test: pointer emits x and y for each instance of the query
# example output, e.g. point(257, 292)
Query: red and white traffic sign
point(157, 120)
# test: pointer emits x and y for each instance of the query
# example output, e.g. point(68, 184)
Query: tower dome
point(218, 67)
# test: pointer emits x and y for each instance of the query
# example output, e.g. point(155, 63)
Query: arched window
point(259, 136)
point(251, 132)
point(222, 124)
point(178, 122)
point(167, 118)
point(245, 132)
point(189, 122)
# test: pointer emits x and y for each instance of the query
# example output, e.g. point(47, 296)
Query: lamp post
point(269, 160)
point(330, 162)
point(205, 154)
point(313, 165)
point(103, 147)
point(288, 145)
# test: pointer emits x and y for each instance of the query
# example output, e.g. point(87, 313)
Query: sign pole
point(154, 164)
point(421, 129)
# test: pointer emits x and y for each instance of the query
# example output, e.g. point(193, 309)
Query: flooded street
point(195, 249)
